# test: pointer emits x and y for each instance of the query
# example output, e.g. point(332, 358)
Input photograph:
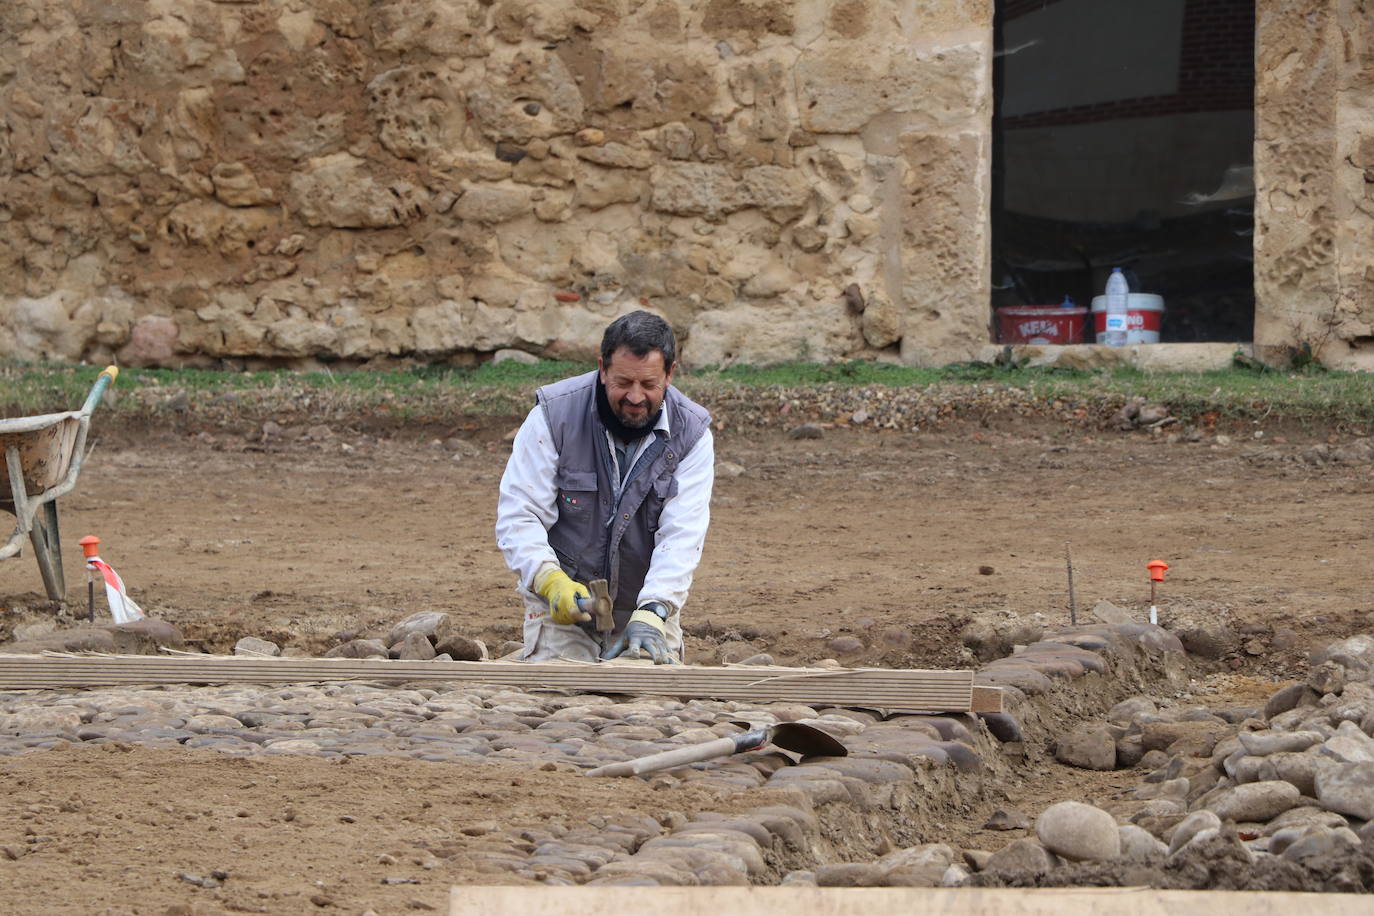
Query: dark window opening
point(1123, 136)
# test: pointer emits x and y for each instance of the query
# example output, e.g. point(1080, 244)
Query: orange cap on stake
point(90, 546)
point(1156, 568)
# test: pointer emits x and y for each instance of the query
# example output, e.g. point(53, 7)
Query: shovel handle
point(683, 755)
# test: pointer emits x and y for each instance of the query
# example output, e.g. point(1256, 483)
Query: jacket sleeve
point(682, 528)
point(527, 505)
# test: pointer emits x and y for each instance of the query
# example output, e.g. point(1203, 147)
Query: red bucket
point(1041, 324)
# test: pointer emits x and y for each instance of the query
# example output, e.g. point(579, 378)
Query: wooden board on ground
point(883, 901)
point(893, 690)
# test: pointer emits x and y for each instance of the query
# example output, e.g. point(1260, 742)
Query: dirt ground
point(301, 539)
point(116, 829)
point(895, 538)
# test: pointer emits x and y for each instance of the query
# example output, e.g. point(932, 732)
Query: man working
point(609, 478)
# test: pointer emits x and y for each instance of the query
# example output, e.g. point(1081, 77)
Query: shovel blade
point(807, 740)
point(799, 738)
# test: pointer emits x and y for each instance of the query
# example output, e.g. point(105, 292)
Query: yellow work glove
point(561, 593)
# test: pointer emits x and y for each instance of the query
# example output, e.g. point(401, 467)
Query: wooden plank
point(884, 901)
point(895, 690)
point(988, 699)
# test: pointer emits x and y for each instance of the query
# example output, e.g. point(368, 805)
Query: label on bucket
point(1040, 324)
point(1037, 328)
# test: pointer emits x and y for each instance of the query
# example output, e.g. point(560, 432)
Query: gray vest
point(597, 536)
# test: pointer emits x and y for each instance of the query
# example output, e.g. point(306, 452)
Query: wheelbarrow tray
point(46, 445)
point(42, 457)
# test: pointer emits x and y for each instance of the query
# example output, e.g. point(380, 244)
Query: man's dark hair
point(641, 332)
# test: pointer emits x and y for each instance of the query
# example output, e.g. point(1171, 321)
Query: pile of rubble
point(1285, 793)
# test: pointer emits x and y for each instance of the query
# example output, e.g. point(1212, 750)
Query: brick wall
point(1216, 68)
point(1014, 9)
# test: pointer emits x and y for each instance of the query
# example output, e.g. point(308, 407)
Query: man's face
point(635, 385)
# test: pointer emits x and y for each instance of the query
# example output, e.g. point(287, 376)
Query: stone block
point(722, 337)
point(254, 647)
point(416, 111)
point(1347, 788)
point(457, 646)
point(1022, 677)
point(489, 205)
point(713, 191)
point(1199, 737)
point(1255, 801)
point(525, 96)
point(152, 342)
point(339, 190)
point(440, 27)
point(942, 246)
point(1078, 832)
point(1290, 697)
point(237, 186)
point(426, 623)
point(1019, 857)
point(1261, 744)
point(1089, 747)
point(853, 874)
point(359, 648)
point(843, 87)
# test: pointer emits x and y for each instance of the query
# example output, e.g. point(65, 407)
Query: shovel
point(790, 736)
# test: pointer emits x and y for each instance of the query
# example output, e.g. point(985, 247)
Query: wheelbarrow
point(43, 457)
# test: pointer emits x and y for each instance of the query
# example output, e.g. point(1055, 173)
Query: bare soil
point(894, 538)
point(118, 829)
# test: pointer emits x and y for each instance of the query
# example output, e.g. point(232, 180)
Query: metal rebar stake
point(1073, 603)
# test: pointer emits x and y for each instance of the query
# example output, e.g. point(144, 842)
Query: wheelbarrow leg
point(47, 550)
point(17, 492)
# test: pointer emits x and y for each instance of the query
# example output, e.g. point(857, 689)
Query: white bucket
point(1144, 315)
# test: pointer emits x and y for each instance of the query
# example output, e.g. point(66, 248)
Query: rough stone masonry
point(227, 182)
point(189, 182)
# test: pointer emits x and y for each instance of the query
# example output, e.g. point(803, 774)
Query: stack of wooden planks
point(891, 690)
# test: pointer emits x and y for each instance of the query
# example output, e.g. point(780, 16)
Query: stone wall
point(1314, 171)
point(257, 181)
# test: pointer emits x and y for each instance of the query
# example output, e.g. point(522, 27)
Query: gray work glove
point(644, 633)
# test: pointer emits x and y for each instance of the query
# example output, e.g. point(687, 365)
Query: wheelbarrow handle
point(103, 381)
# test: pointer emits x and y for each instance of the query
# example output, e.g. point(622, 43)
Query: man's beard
point(647, 411)
point(620, 428)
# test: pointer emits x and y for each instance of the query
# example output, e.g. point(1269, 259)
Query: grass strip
point(751, 394)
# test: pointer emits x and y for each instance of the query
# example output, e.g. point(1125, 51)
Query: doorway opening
point(1123, 136)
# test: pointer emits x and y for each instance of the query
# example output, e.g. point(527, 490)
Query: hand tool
point(598, 606)
point(806, 740)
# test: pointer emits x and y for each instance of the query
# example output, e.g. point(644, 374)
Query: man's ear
point(668, 380)
point(601, 369)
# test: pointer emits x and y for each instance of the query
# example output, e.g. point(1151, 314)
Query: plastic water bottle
point(1118, 292)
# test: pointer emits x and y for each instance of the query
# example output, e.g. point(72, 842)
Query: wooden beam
point(893, 690)
point(987, 699)
point(885, 901)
